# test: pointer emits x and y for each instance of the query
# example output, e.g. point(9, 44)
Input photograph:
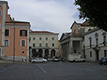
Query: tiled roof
point(74, 34)
point(41, 32)
point(83, 24)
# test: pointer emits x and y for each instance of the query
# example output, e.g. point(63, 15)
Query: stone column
point(43, 52)
point(56, 52)
point(30, 53)
point(70, 46)
point(37, 50)
point(49, 52)
point(81, 48)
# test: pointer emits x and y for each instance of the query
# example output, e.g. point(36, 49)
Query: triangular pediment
point(64, 36)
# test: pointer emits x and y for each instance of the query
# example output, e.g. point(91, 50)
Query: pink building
point(14, 36)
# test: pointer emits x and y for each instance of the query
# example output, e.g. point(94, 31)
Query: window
point(22, 52)
point(46, 44)
point(52, 44)
point(90, 39)
point(23, 42)
point(104, 40)
point(105, 53)
point(52, 38)
point(6, 32)
point(40, 45)
point(40, 38)
point(33, 44)
point(33, 38)
point(6, 42)
point(90, 53)
point(96, 42)
point(46, 38)
point(23, 32)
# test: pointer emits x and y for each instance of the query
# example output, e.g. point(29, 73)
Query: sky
point(45, 15)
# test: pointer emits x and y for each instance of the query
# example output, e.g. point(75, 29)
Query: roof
point(65, 34)
point(16, 22)
point(74, 34)
point(42, 32)
point(82, 24)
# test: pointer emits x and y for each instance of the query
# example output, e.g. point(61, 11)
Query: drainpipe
point(14, 46)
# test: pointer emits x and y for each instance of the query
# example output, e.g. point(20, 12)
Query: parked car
point(56, 59)
point(39, 60)
point(103, 61)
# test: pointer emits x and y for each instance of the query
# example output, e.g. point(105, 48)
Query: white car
point(39, 60)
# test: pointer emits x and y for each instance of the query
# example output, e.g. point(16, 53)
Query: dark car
point(103, 61)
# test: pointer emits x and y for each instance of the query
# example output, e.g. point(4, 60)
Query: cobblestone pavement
point(55, 71)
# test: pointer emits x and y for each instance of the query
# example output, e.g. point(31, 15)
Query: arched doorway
point(52, 52)
point(40, 52)
point(46, 53)
point(33, 52)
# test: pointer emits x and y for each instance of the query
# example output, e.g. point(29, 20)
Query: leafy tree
point(95, 11)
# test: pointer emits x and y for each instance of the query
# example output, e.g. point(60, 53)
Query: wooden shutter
point(25, 32)
point(20, 32)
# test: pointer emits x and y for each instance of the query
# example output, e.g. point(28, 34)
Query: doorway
point(97, 55)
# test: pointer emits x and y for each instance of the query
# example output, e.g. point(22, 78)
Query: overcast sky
point(45, 15)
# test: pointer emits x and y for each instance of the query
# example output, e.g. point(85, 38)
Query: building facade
point(17, 40)
point(3, 16)
point(44, 42)
point(95, 42)
point(14, 36)
point(72, 42)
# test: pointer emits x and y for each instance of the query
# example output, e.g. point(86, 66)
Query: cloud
point(52, 15)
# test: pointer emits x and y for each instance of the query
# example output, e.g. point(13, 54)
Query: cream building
point(72, 42)
point(44, 42)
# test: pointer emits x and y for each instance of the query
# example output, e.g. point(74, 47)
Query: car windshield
point(40, 58)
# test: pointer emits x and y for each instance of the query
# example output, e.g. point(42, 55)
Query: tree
point(95, 11)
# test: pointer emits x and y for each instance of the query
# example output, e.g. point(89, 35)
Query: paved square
point(55, 71)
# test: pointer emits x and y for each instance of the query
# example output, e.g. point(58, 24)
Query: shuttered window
point(6, 32)
point(23, 32)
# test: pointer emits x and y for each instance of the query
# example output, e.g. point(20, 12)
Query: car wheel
point(43, 61)
point(33, 62)
point(105, 63)
point(100, 63)
point(83, 60)
point(73, 60)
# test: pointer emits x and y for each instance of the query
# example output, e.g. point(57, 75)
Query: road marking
point(7, 68)
point(41, 68)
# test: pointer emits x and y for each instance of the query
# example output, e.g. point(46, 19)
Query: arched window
point(96, 36)
point(90, 41)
